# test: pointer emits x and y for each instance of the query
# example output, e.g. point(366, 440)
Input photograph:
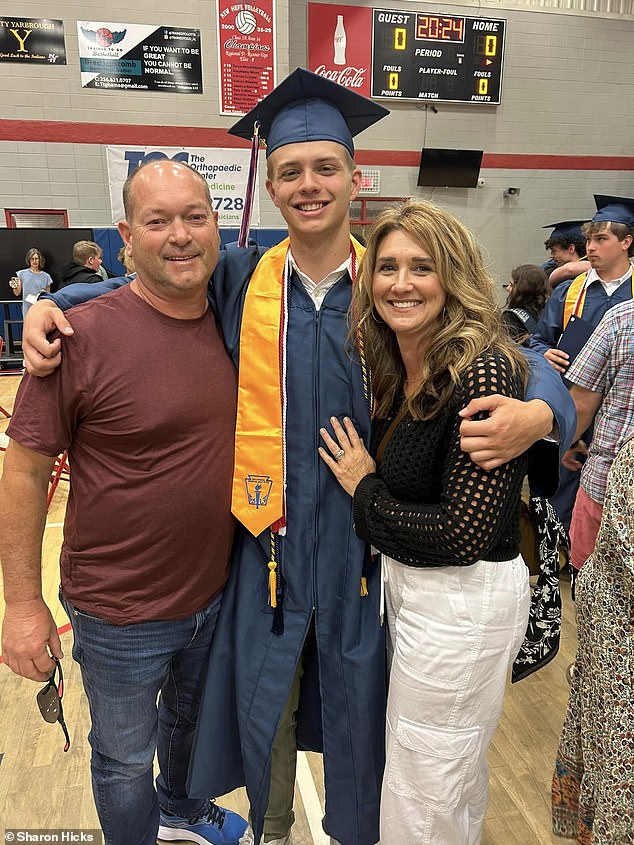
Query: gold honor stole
point(260, 447)
point(575, 298)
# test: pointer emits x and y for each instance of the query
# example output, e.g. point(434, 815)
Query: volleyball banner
point(134, 56)
point(225, 171)
point(246, 54)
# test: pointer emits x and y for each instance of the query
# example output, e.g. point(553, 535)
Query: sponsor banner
point(246, 54)
point(225, 171)
point(340, 44)
point(32, 40)
point(136, 56)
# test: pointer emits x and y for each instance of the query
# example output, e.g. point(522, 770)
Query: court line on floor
point(310, 799)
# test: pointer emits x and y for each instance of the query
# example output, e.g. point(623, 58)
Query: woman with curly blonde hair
point(470, 321)
point(456, 587)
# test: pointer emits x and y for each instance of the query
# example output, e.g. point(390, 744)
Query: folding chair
point(60, 472)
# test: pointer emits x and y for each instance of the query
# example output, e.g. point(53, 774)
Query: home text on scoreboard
point(442, 58)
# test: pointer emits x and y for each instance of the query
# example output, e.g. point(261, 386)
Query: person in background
point(527, 294)
point(602, 387)
point(566, 244)
point(576, 307)
point(567, 252)
point(103, 272)
point(528, 291)
point(84, 268)
point(457, 590)
point(30, 282)
point(123, 257)
point(602, 378)
point(593, 783)
point(569, 271)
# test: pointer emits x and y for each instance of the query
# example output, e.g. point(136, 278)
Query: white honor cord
point(286, 283)
point(383, 580)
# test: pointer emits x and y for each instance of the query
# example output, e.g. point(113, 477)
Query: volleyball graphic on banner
point(246, 22)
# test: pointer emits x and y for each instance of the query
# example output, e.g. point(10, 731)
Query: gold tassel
point(272, 583)
point(364, 585)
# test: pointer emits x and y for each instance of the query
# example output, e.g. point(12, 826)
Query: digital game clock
point(442, 58)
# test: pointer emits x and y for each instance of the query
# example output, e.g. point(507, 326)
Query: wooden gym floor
point(43, 788)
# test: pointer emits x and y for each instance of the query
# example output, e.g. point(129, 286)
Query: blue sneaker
point(214, 824)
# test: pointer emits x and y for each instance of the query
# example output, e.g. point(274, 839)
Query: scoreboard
point(443, 58)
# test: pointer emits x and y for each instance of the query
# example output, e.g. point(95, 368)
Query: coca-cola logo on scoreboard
point(340, 44)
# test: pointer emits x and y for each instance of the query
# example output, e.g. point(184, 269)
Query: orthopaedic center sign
point(225, 170)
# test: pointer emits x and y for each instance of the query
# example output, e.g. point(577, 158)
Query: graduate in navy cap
point(581, 303)
point(299, 657)
point(566, 242)
point(308, 107)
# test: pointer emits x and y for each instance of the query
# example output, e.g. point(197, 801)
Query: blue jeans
point(124, 668)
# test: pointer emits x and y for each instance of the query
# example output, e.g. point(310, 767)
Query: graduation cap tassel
point(245, 226)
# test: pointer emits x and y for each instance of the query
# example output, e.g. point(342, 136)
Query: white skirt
point(453, 633)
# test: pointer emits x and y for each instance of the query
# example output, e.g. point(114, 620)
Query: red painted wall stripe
point(504, 161)
point(60, 132)
point(199, 136)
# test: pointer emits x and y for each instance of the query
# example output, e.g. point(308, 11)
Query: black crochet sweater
point(428, 504)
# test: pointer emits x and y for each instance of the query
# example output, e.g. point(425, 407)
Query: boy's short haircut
point(83, 250)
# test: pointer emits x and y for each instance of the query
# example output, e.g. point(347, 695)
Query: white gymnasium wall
point(567, 90)
point(74, 176)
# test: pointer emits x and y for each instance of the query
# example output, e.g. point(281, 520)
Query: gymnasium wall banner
point(134, 56)
point(407, 55)
point(225, 171)
point(246, 53)
point(36, 40)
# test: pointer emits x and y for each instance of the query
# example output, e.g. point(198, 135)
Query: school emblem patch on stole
point(258, 490)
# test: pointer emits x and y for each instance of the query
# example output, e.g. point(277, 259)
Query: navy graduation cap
point(566, 229)
point(308, 107)
point(614, 209)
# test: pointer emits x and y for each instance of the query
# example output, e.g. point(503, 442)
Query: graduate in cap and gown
point(566, 241)
point(586, 299)
point(566, 245)
point(298, 658)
